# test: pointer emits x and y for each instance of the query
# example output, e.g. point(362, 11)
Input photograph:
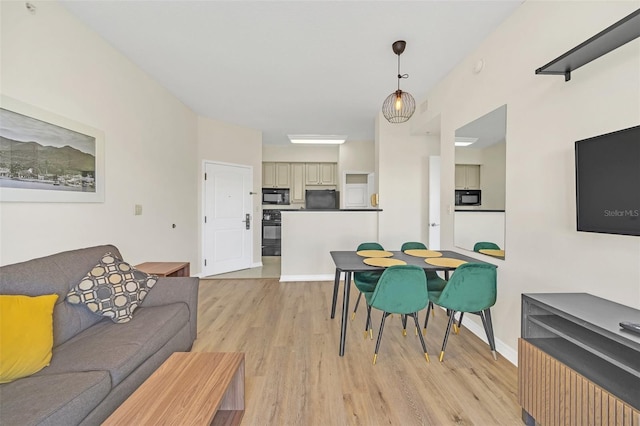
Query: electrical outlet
point(138, 210)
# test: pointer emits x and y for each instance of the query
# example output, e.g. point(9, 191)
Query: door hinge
point(205, 176)
point(205, 262)
point(205, 219)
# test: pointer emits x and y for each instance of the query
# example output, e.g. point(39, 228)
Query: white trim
point(502, 348)
point(256, 265)
point(326, 277)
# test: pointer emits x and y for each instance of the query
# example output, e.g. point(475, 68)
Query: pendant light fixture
point(399, 106)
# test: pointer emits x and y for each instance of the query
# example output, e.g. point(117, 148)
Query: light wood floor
point(294, 375)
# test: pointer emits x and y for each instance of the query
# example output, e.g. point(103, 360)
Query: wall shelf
point(605, 41)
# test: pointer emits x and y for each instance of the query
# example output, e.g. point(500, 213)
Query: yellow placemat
point(374, 253)
point(492, 252)
point(445, 261)
point(423, 253)
point(383, 262)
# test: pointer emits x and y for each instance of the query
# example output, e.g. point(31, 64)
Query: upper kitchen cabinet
point(297, 182)
point(276, 175)
point(320, 174)
point(467, 176)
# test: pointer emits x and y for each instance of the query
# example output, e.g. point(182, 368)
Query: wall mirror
point(480, 157)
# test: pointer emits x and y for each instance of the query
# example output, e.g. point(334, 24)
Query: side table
point(165, 269)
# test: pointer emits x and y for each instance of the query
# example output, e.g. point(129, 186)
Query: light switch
point(138, 210)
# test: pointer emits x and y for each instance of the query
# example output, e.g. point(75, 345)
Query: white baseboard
point(326, 277)
point(502, 348)
point(256, 264)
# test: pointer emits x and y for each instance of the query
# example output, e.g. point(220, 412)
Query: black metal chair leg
point(489, 330)
point(375, 355)
point(336, 284)
point(424, 346)
point(456, 328)
point(426, 320)
point(404, 324)
point(367, 327)
point(353, 315)
point(446, 334)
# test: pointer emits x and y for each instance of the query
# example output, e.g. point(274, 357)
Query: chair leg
point(353, 315)
point(426, 320)
point(375, 354)
point(433, 311)
point(367, 327)
point(446, 334)
point(404, 325)
point(456, 328)
point(424, 346)
point(488, 328)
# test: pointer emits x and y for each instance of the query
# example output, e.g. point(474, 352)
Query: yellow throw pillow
point(26, 335)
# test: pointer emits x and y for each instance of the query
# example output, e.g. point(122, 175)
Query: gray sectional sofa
point(96, 363)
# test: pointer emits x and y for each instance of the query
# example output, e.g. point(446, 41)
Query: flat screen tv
point(608, 183)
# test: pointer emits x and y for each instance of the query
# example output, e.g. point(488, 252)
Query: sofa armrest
point(175, 290)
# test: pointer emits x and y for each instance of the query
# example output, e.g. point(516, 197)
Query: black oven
point(468, 197)
point(275, 196)
point(271, 232)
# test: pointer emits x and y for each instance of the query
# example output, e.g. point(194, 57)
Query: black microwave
point(468, 197)
point(275, 196)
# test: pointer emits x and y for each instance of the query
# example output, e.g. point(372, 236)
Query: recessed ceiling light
point(318, 139)
point(462, 141)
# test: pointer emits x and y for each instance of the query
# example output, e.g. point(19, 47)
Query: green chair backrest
point(401, 289)
point(481, 245)
point(471, 288)
point(370, 246)
point(412, 245)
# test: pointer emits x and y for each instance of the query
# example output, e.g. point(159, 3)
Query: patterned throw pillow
point(113, 289)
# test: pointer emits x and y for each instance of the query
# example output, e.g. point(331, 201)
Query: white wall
point(546, 115)
point(492, 176)
point(472, 227)
point(228, 143)
point(53, 62)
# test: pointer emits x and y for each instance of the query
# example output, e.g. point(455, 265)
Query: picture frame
point(45, 157)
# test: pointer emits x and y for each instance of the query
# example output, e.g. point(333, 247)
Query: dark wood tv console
point(575, 363)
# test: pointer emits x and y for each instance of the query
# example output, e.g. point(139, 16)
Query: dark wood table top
point(352, 262)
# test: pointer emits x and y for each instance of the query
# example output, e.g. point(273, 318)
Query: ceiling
point(489, 129)
point(293, 67)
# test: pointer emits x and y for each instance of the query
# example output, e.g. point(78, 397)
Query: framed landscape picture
point(48, 158)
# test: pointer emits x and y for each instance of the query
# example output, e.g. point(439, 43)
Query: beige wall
point(492, 176)
point(53, 62)
point(221, 142)
point(300, 153)
point(403, 166)
point(546, 115)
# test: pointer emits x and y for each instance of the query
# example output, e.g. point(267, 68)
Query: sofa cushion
point(26, 334)
point(119, 348)
point(56, 274)
point(57, 399)
point(112, 288)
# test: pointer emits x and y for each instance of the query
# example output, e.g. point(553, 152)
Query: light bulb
point(398, 104)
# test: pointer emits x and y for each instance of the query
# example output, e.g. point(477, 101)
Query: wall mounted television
point(608, 183)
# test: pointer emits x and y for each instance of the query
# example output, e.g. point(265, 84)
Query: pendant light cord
point(400, 76)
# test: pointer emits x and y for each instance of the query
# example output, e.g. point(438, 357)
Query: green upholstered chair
point(365, 281)
point(434, 281)
point(481, 245)
point(402, 290)
point(472, 288)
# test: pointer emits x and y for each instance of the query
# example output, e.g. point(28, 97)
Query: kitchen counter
point(479, 210)
point(331, 210)
point(308, 238)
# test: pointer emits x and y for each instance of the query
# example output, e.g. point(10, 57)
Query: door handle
point(247, 221)
point(434, 224)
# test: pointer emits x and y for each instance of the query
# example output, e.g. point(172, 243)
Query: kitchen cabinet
point(320, 174)
point(276, 175)
point(297, 182)
point(467, 176)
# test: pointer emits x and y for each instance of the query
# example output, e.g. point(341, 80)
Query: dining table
point(350, 262)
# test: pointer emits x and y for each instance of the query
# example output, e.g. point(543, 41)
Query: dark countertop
point(479, 211)
point(330, 210)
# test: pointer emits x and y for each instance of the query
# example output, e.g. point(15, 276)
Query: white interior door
point(434, 202)
point(228, 222)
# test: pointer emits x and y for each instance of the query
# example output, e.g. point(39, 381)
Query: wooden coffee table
point(165, 269)
point(190, 388)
